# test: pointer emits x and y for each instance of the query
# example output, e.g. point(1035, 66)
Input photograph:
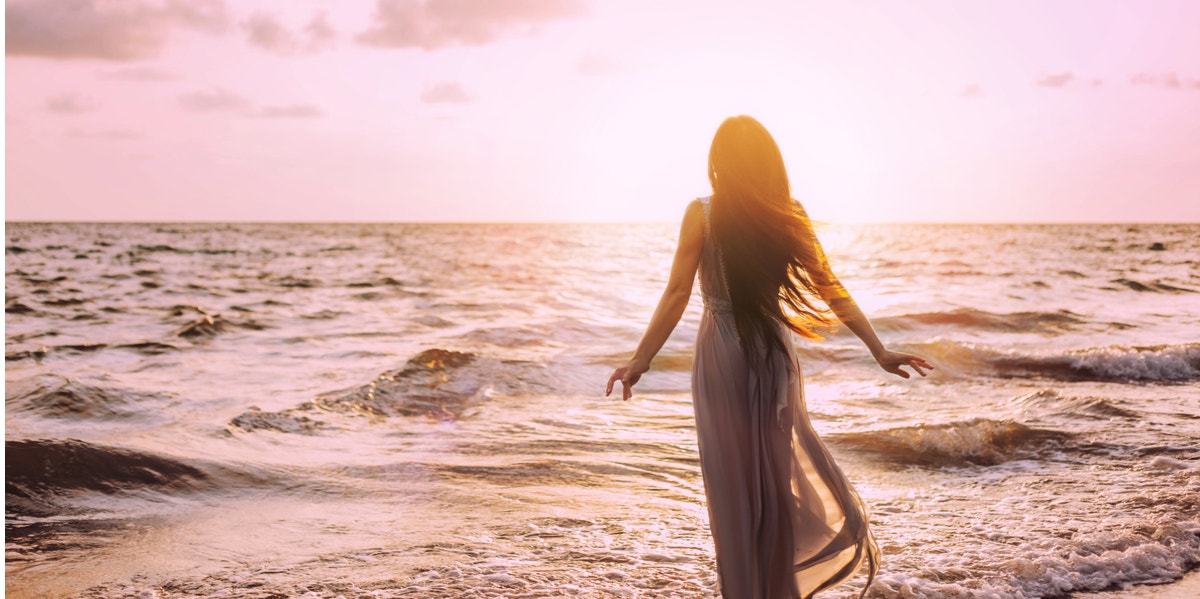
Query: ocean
point(417, 410)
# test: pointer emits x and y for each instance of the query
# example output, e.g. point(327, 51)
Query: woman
point(785, 521)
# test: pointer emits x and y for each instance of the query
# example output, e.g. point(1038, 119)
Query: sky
point(601, 110)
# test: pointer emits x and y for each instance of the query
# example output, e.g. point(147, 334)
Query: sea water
point(416, 410)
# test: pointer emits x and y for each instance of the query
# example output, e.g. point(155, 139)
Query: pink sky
point(568, 110)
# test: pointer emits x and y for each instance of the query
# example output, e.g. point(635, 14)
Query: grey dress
point(785, 521)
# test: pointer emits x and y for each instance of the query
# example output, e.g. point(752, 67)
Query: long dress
point(785, 521)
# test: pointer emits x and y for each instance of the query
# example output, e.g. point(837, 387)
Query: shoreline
point(1188, 586)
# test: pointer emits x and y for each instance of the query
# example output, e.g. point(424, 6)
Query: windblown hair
point(773, 264)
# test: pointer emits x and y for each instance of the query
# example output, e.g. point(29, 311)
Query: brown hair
point(773, 265)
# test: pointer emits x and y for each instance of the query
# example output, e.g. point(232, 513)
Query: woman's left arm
point(671, 305)
point(846, 309)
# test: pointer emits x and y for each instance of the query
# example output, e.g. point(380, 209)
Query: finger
point(616, 376)
point(626, 391)
point(917, 367)
point(608, 389)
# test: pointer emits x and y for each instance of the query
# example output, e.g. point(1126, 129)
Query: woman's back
point(711, 272)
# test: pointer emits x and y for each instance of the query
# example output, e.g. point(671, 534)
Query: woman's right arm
point(671, 305)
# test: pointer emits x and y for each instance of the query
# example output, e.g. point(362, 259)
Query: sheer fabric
point(785, 521)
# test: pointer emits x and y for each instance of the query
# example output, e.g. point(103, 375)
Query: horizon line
point(564, 222)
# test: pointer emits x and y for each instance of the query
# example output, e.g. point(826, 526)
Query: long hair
point(771, 260)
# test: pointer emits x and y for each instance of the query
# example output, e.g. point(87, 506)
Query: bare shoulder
point(693, 218)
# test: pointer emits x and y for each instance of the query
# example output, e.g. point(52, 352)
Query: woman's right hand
point(629, 374)
point(891, 361)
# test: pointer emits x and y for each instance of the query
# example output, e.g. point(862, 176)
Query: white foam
point(1165, 463)
point(1046, 568)
point(1162, 363)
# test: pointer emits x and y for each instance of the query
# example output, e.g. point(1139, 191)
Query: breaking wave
point(436, 383)
point(1150, 364)
point(979, 441)
point(1155, 553)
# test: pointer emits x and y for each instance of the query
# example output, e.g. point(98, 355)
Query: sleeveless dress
point(785, 521)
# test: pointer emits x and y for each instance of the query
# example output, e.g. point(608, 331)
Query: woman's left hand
point(891, 361)
point(629, 375)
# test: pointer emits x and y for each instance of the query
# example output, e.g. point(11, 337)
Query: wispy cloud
point(293, 111)
point(214, 100)
point(971, 90)
point(138, 74)
point(99, 29)
point(69, 103)
point(264, 30)
point(445, 93)
point(110, 134)
point(432, 24)
point(1068, 79)
point(320, 33)
point(1169, 80)
point(220, 100)
point(1056, 80)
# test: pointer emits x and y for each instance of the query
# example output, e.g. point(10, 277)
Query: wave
point(59, 397)
point(518, 336)
point(1084, 407)
point(436, 383)
point(38, 472)
point(206, 325)
point(980, 441)
point(16, 307)
point(174, 250)
point(1014, 322)
point(1177, 363)
point(1152, 287)
point(25, 354)
point(149, 348)
point(1153, 553)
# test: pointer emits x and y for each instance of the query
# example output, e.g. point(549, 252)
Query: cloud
point(593, 65)
point(264, 30)
point(971, 90)
point(293, 111)
point(431, 24)
point(221, 100)
point(104, 30)
point(1169, 80)
point(1067, 79)
point(320, 32)
point(1057, 80)
point(215, 100)
point(138, 74)
point(445, 93)
point(70, 104)
point(110, 134)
